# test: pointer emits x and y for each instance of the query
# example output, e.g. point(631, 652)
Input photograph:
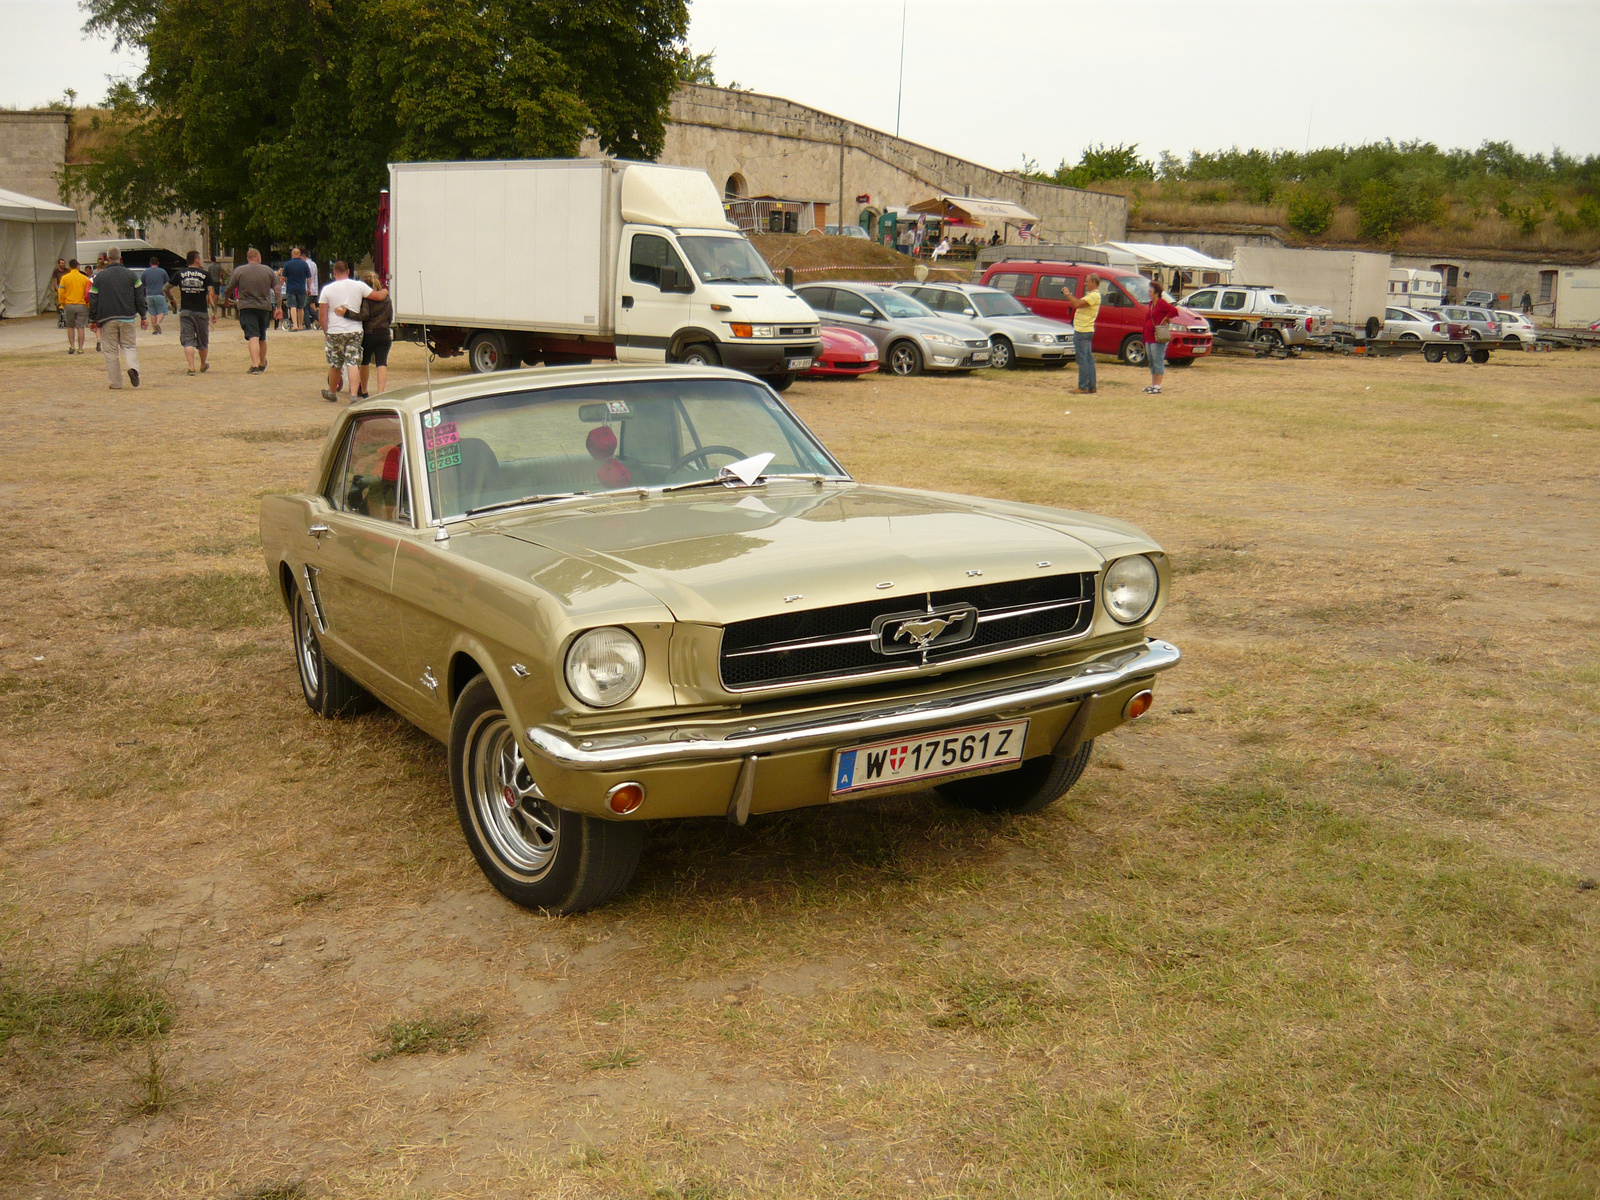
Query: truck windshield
point(524, 446)
point(726, 260)
point(1136, 286)
point(998, 304)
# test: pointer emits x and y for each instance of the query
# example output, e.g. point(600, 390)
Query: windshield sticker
point(430, 419)
point(438, 461)
point(443, 436)
point(617, 408)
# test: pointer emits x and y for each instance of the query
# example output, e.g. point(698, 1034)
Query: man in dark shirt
point(116, 300)
point(296, 275)
point(256, 282)
point(195, 318)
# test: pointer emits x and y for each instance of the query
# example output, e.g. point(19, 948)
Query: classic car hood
point(717, 555)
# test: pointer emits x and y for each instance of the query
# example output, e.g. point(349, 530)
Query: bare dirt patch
point(1312, 927)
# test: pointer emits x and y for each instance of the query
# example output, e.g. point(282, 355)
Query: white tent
point(33, 234)
point(1153, 254)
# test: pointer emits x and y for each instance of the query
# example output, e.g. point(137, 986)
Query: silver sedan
point(911, 338)
point(1412, 325)
point(1015, 334)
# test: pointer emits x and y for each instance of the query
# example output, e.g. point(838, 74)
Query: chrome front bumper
point(622, 752)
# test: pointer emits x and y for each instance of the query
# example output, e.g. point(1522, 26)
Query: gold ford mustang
point(626, 594)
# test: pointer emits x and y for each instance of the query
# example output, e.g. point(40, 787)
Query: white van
point(570, 260)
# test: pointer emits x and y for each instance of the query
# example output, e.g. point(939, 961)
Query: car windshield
point(1136, 286)
point(998, 304)
point(726, 260)
point(898, 304)
point(523, 446)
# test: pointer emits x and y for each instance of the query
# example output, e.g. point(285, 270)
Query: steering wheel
point(703, 451)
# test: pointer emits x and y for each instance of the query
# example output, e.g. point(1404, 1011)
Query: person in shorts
point(377, 316)
point(296, 275)
point(1159, 312)
point(72, 294)
point(256, 283)
point(339, 314)
point(195, 318)
point(155, 294)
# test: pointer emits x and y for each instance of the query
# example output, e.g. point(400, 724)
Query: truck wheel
point(1374, 327)
point(780, 383)
point(1270, 338)
point(1456, 354)
point(1433, 353)
point(700, 354)
point(904, 359)
point(1480, 356)
point(1036, 784)
point(535, 854)
point(1132, 351)
point(1001, 356)
point(487, 352)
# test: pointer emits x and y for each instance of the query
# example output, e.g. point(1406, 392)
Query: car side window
point(371, 479)
point(819, 298)
point(1232, 301)
point(1056, 287)
point(1017, 285)
point(1394, 314)
point(1112, 296)
point(650, 253)
point(1202, 300)
point(849, 304)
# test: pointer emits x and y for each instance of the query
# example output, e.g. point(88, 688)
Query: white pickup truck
point(1259, 312)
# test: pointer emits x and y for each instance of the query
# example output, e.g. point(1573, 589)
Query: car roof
point(1104, 270)
point(418, 397)
point(951, 285)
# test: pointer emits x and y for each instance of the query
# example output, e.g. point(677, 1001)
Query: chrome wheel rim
point(519, 828)
point(1136, 354)
point(1000, 355)
point(902, 360)
point(308, 652)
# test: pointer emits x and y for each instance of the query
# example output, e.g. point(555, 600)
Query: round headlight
point(1130, 588)
point(605, 667)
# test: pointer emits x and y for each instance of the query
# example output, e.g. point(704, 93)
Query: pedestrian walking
point(1527, 304)
point(1085, 310)
point(72, 295)
point(116, 300)
point(155, 294)
point(55, 288)
point(255, 282)
point(195, 317)
point(297, 276)
point(338, 313)
point(1157, 334)
point(313, 286)
point(377, 319)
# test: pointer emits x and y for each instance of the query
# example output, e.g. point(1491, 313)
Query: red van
point(1124, 301)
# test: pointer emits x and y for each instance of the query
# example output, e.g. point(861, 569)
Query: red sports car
point(844, 352)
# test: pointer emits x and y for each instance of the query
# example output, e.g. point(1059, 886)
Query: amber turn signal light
point(739, 330)
point(1138, 705)
point(624, 798)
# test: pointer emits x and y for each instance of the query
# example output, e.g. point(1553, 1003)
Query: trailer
point(1352, 285)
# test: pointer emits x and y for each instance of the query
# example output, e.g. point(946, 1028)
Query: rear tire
point(904, 360)
point(1433, 353)
point(535, 854)
point(1133, 351)
point(1036, 784)
point(1456, 354)
point(328, 691)
point(1480, 356)
point(488, 352)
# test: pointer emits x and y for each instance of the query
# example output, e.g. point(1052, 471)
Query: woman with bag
point(1157, 333)
point(377, 318)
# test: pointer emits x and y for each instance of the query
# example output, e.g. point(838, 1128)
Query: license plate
point(980, 356)
point(974, 749)
point(797, 364)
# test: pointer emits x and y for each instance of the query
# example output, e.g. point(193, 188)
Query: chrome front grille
point(797, 330)
point(840, 642)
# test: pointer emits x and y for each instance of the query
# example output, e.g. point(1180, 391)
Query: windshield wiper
point(535, 499)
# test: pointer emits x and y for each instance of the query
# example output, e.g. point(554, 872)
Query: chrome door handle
point(317, 531)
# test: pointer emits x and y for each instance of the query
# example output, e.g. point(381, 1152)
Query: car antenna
point(429, 453)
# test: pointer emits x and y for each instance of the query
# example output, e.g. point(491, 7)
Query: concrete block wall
point(33, 147)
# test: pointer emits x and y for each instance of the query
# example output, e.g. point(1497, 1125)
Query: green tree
point(696, 68)
point(1309, 213)
point(277, 118)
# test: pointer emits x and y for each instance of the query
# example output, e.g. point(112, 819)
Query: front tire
point(1133, 351)
point(700, 354)
point(1001, 355)
point(535, 854)
point(488, 352)
point(1036, 784)
point(904, 360)
point(780, 383)
point(328, 691)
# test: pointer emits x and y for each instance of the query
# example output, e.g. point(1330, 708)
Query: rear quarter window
point(1057, 287)
point(1013, 282)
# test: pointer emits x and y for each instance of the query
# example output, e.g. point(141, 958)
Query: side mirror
point(868, 314)
point(667, 279)
point(969, 312)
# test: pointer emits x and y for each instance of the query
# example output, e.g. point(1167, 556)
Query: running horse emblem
point(922, 632)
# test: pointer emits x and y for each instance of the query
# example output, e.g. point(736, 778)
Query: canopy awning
point(14, 206)
point(975, 210)
point(1153, 254)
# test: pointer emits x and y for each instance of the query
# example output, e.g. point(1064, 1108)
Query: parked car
point(1015, 334)
point(1411, 325)
point(1517, 329)
point(1281, 321)
point(1479, 300)
point(1474, 324)
point(844, 352)
point(911, 337)
point(854, 231)
point(1124, 301)
point(623, 594)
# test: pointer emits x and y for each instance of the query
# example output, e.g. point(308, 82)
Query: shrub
point(1310, 213)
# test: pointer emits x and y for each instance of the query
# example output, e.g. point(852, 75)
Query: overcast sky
point(993, 80)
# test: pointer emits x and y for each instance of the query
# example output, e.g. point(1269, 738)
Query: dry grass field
point(1318, 926)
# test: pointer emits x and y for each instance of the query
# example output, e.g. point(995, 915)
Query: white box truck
point(1577, 298)
point(569, 260)
point(1354, 286)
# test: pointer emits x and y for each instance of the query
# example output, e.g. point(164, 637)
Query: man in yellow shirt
point(1085, 309)
point(72, 294)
